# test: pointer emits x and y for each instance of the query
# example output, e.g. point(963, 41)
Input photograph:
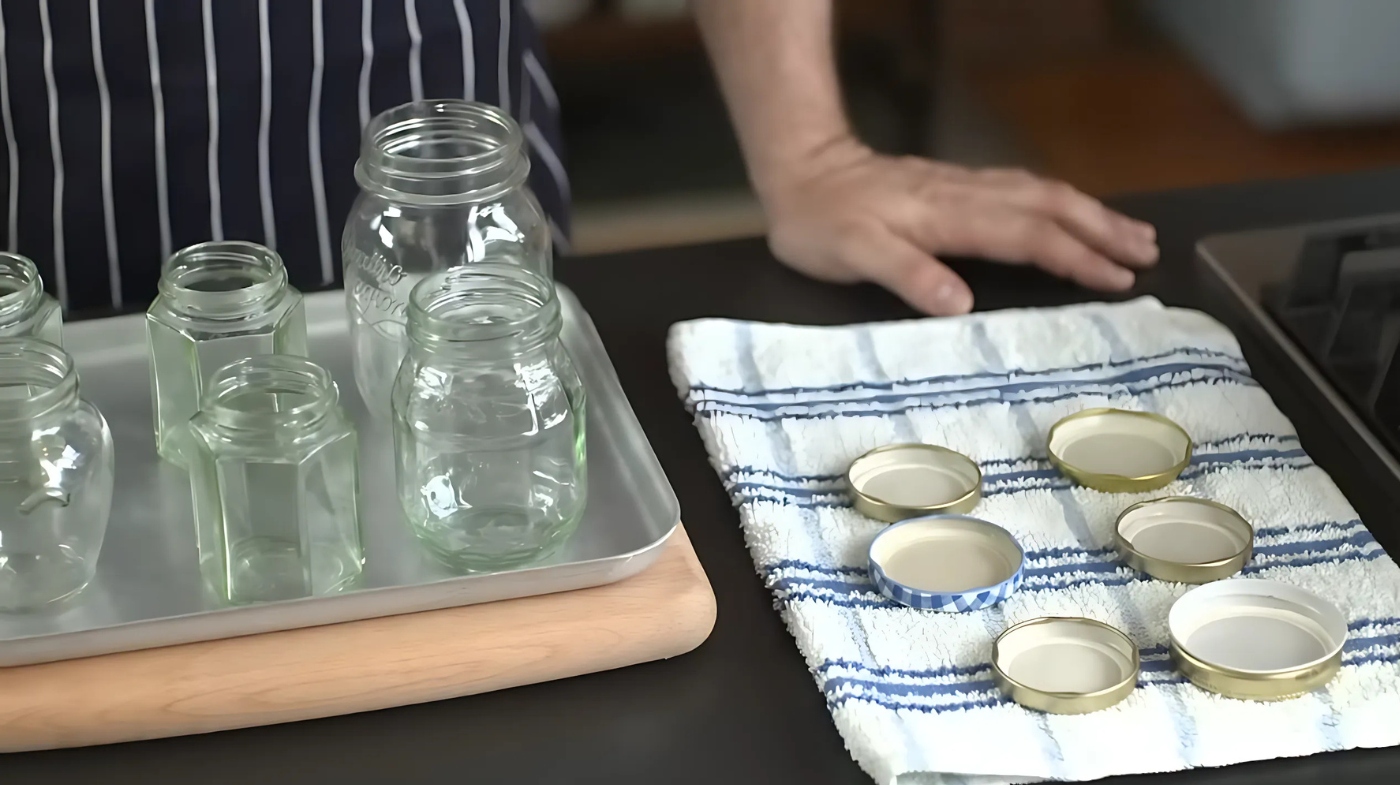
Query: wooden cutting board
point(302, 674)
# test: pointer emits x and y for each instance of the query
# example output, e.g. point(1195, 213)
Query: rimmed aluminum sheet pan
point(148, 592)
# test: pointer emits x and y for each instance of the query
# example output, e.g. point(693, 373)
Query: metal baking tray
point(148, 591)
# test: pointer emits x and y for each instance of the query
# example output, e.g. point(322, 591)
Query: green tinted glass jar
point(274, 474)
point(218, 302)
point(56, 475)
point(489, 416)
point(25, 309)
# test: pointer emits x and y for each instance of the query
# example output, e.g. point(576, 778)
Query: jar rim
point(384, 135)
point(461, 305)
point(32, 362)
point(30, 289)
point(269, 374)
point(185, 268)
point(496, 165)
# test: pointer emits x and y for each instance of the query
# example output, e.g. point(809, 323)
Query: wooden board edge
point(665, 611)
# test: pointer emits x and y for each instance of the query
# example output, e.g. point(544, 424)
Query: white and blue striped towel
point(784, 409)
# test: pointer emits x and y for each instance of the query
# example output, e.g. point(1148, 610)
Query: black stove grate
point(1342, 307)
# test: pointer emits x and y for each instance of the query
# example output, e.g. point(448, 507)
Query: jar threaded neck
point(21, 288)
point(223, 280)
point(484, 307)
point(269, 392)
point(442, 152)
point(36, 377)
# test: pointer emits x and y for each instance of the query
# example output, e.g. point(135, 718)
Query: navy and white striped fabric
point(784, 410)
point(135, 127)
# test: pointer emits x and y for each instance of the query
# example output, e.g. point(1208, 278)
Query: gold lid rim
point(1254, 684)
point(1124, 483)
point(1071, 702)
point(881, 510)
point(1258, 685)
point(1167, 570)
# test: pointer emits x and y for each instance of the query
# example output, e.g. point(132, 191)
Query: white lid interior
point(1119, 443)
point(1255, 626)
point(946, 554)
point(914, 476)
point(1072, 656)
point(1185, 531)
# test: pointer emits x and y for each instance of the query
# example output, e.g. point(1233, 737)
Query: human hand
point(847, 215)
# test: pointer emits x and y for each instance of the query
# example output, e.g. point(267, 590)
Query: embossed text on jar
point(443, 184)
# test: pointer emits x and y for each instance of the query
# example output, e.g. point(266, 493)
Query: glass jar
point(443, 183)
point(218, 302)
point(56, 469)
point(25, 310)
point(489, 419)
point(274, 476)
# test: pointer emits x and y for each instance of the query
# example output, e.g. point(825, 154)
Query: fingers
point(1115, 235)
point(1016, 235)
point(886, 219)
point(916, 277)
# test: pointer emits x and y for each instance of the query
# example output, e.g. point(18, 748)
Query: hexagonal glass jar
point(25, 309)
point(56, 470)
point(273, 468)
point(218, 302)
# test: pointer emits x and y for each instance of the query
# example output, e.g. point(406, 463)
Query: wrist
point(786, 173)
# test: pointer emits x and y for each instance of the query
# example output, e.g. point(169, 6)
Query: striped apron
point(136, 127)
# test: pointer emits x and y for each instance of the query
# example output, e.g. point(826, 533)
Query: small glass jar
point(274, 474)
point(218, 302)
point(25, 310)
point(56, 467)
point(489, 419)
point(443, 183)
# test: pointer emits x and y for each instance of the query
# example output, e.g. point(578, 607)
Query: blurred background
point(1111, 95)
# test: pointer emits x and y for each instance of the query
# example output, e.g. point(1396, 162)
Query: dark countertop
point(742, 707)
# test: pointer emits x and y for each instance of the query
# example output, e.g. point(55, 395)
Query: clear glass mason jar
point(56, 467)
point(25, 309)
point(489, 419)
point(443, 183)
point(275, 480)
point(218, 302)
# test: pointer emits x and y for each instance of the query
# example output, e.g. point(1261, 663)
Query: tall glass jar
point(25, 309)
point(443, 183)
point(489, 419)
point(218, 302)
point(274, 475)
point(56, 469)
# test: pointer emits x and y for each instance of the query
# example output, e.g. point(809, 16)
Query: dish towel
point(783, 410)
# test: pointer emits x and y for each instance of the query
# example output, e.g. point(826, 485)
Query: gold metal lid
point(1119, 451)
point(1184, 539)
point(901, 481)
point(1255, 639)
point(1065, 664)
point(1247, 686)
